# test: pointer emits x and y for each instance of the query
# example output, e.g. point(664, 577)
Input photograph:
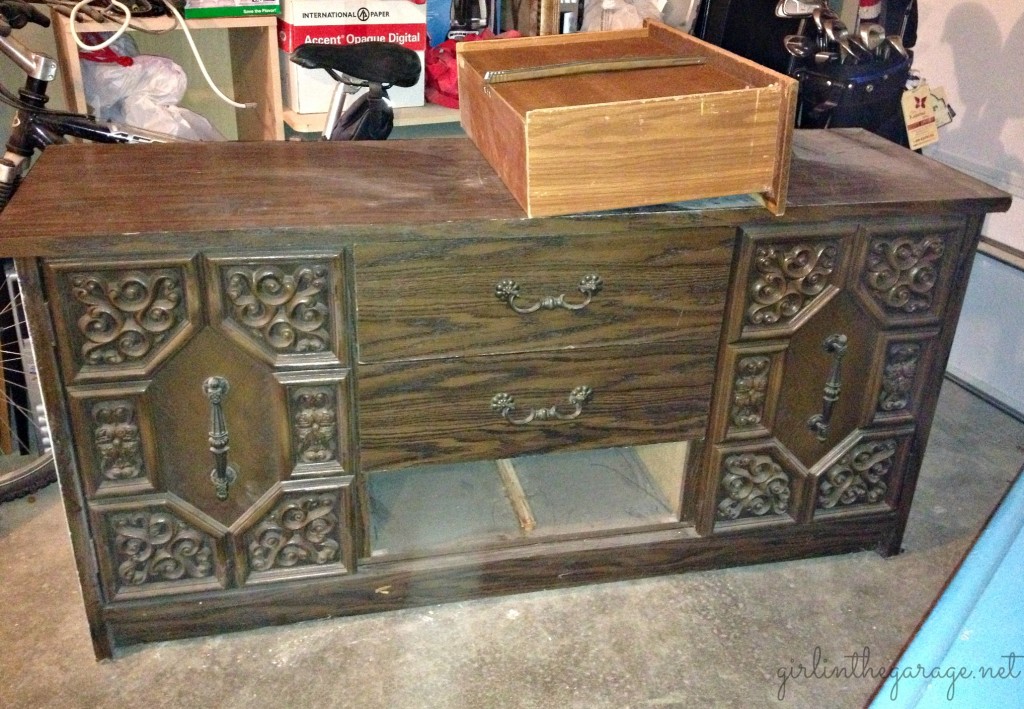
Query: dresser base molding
point(386, 586)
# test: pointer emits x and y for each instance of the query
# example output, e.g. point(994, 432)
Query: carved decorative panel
point(117, 440)
point(125, 315)
point(860, 477)
point(753, 485)
point(302, 532)
point(902, 360)
point(280, 308)
point(153, 548)
point(901, 272)
point(302, 529)
point(314, 418)
point(749, 390)
point(122, 319)
point(114, 429)
point(786, 277)
point(317, 403)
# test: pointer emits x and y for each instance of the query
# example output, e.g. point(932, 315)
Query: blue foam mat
point(969, 652)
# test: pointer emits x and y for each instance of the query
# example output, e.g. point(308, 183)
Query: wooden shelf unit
point(254, 66)
point(428, 114)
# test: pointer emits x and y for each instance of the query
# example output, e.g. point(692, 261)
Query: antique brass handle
point(834, 345)
point(223, 474)
point(508, 291)
point(505, 405)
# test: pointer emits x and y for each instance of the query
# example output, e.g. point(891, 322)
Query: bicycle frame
point(37, 129)
point(34, 128)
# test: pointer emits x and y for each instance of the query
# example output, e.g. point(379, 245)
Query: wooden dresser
point(298, 380)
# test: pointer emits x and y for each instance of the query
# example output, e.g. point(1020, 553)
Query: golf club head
point(893, 42)
point(846, 51)
point(871, 34)
point(860, 49)
point(796, 8)
point(820, 14)
point(799, 45)
point(835, 29)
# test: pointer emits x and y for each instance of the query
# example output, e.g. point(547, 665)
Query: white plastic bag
point(145, 95)
point(617, 14)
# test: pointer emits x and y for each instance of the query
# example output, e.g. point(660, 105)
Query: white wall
point(975, 50)
point(988, 352)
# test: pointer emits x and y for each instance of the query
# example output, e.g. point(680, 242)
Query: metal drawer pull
point(505, 405)
point(508, 290)
point(223, 474)
point(834, 345)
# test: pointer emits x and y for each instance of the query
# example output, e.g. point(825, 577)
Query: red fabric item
point(105, 55)
point(442, 78)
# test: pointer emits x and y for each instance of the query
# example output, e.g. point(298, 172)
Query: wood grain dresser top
point(124, 197)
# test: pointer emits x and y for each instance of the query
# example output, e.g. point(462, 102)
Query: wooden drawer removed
point(478, 408)
point(613, 139)
point(453, 298)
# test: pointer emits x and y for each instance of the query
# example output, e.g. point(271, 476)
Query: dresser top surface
point(119, 193)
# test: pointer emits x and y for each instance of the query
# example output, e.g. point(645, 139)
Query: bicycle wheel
point(26, 459)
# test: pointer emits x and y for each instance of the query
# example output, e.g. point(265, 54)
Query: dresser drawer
point(448, 298)
point(471, 408)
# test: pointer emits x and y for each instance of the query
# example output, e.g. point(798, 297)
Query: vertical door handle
point(835, 345)
point(223, 474)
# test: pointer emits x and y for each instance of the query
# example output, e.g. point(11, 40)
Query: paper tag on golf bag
point(919, 115)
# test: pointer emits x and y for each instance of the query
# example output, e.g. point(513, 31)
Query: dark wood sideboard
point(297, 380)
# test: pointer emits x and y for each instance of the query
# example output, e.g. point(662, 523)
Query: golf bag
point(865, 95)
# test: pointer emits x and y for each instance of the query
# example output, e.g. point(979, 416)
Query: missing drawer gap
point(436, 508)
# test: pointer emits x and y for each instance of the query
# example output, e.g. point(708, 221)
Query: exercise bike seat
point(378, 62)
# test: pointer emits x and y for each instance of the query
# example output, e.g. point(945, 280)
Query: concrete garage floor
point(718, 638)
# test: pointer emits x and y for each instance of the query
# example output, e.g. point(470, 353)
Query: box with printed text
point(198, 9)
point(346, 22)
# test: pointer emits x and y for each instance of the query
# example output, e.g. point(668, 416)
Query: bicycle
point(359, 110)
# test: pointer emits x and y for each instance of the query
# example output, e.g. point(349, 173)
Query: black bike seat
point(382, 62)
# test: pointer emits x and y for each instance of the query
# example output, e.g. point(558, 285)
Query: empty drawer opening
point(437, 508)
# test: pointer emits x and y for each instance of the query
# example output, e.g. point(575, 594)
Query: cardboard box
point(345, 22)
point(230, 8)
point(619, 139)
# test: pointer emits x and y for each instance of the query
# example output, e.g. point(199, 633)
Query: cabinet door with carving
point(832, 338)
point(208, 398)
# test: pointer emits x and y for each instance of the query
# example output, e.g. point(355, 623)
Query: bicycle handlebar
point(15, 14)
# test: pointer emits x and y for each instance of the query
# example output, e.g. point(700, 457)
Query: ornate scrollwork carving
point(301, 530)
point(787, 278)
point(116, 440)
point(315, 424)
point(128, 314)
point(287, 310)
point(749, 390)
point(859, 477)
point(754, 486)
point(901, 363)
point(901, 271)
point(154, 545)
